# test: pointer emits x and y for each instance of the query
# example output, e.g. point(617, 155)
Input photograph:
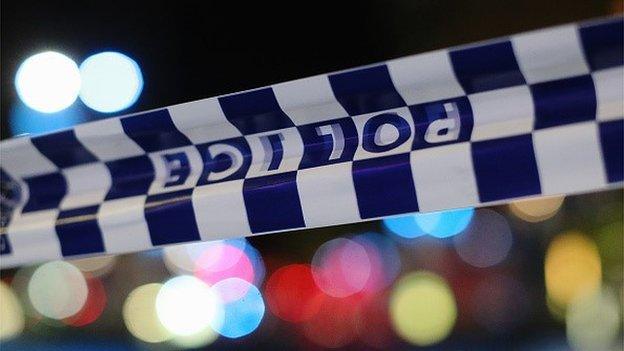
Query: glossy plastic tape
point(538, 113)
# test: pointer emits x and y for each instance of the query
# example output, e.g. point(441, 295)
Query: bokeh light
point(57, 290)
point(186, 305)
point(441, 224)
point(292, 294)
point(93, 307)
point(422, 308)
point(182, 259)
point(222, 261)
point(26, 121)
point(200, 339)
point(384, 260)
point(95, 266)
point(243, 308)
point(593, 321)
point(140, 317)
point(11, 313)
point(572, 268)
point(111, 82)
point(537, 210)
point(48, 82)
point(341, 267)
point(487, 240)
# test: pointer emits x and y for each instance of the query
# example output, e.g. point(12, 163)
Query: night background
point(491, 278)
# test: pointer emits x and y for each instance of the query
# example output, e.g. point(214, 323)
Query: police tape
point(537, 113)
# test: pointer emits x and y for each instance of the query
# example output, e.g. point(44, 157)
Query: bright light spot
point(536, 210)
point(422, 308)
point(572, 268)
point(440, 224)
point(291, 293)
point(222, 262)
point(198, 340)
point(57, 290)
point(11, 313)
point(487, 241)
point(593, 321)
point(93, 307)
point(140, 317)
point(110, 82)
point(341, 267)
point(182, 259)
point(95, 266)
point(242, 315)
point(48, 82)
point(186, 306)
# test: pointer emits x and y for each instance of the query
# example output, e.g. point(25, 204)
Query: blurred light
point(291, 293)
point(593, 321)
point(572, 268)
point(242, 312)
point(95, 266)
point(341, 267)
point(110, 82)
point(140, 317)
point(182, 259)
point(384, 261)
point(25, 121)
point(487, 240)
point(185, 306)
point(335, 324)
point(57, 290)
point(93, 307)
point(222, 261)
point(200, 339)
point(48, 82)
point(441, 224)
point(422, 308)
point(11, 313)
point(537, 210)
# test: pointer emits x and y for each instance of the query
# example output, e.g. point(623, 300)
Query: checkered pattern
point(538, 113)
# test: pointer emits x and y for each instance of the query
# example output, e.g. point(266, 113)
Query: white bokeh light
point(48, 82)
point(57, 290)
point(110, 82)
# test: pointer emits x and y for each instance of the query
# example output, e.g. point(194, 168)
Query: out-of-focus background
point(534, 275)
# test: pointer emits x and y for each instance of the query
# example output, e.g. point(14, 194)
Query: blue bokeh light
point(111, 82)
point(442, 224)
point(24, 120)
point(244, 312)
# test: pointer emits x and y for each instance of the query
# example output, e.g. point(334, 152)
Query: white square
point(262, 153)
point(327, 195)
point(86, 185)
point(444, 177)
point(426, 77)
point(202, 121)
point(33, 238)
point(220, 210)
point(107, 140)
point(20, 158)
point(123, 225)
point(609, 85)
point(569, 158)
point(164, 171)
point(550, 54)
point(385, 135)
point(309, 100)
point(501, 113)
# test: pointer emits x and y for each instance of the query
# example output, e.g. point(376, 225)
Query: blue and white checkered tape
point(537, 113)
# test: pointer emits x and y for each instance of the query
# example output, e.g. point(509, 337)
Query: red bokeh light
point(292, 294)
point(93, 307)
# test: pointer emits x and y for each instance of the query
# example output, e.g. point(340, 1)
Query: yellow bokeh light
point(593, 321)
point(11, 313)
point(139, 314)
point(422, 308)
point(572, 268)
point(536, 210)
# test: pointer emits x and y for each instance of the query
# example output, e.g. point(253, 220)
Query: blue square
point(456, 111)
point(611, 135)
point(170, 218)
point(154, 131)
point(220, 162)
point(78, 231)
point(505, 168)
point(603, 44)
point(320, 144)
point(564, 101)
point(45, 191)
point(130, 177)
point(273, 203)
point(254, 111)
point(63, 149)
point(384, 186)
point(365, 90)
point(486, 67)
